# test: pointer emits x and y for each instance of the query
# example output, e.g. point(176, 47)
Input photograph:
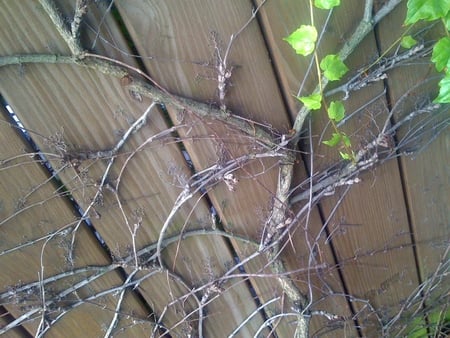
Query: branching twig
point(115, 319)
point(278, 224)
point(377, 71)
point(251, 315)
point(203, 180)
point(80, 11)
point(133, 128)
point(71, 40)
point(223, 69)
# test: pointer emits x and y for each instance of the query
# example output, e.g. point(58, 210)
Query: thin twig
point(80, 11)
point(115, 318)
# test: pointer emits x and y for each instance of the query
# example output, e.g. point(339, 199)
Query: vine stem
point(58, 21)
point(278, 212)
point(285, 176)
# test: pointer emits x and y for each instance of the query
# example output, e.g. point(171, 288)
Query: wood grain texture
point(41, 214)
point(388, 235)
point(376, 208)
point(426, 177)
point(177, 50)
point(91, 111)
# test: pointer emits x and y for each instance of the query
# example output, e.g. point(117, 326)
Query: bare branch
point(54, 14)
point(115, 319)
point(80, 11)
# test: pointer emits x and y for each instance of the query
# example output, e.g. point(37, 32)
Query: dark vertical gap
point(114, 12)
point(275, 69)
point(8, 318)
point(278, 81)
point(128, 39)
point(213, 213)
point(401, 169)
point(334, 254)
point(305, 161)
point(15, 122)
point(130, 44)
point(134, 53)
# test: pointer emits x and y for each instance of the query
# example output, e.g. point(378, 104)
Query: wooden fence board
point(179, 76)
point(366, 204)
point(89, 118)
point(426, 176)
point(175, 53)
point(40, 219)
point(427, 180)
point(280, 21)
point(369, 248)
point(178, 50)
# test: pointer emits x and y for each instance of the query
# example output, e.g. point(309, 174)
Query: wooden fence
point(157, 266)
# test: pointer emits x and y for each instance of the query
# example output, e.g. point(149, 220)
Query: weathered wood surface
point(395, 222)
point(43, 213)
point(90, 110)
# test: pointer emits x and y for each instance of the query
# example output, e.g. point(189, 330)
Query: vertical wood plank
point(34, 241)
point(425, 176)
point(89, 108)
point(373, 214)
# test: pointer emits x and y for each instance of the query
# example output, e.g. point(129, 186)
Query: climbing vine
point(433, 11)
point(196, 291)
point(303, 40)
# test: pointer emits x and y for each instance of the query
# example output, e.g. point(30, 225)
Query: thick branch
point(364, 28)
point(111, 68)
point(278, 212)
point(120, 70)
point(61, 26)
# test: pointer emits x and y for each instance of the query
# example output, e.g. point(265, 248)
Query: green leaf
point(334, 140)
point(333, 67)
point(408, 41)
point(444, 90)
point(417, 328)
point(346, 140)
point(441, 53)
point(326, 4)
point(447, 21)
point(346, 156)
point(303, 40)
point(312, 102)
point(336, 111)
point(427, 10)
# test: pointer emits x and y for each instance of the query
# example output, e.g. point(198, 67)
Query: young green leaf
point(346, 156)
point(444, 90)
point(334, 140)
point(326, 4)
point(312, 102)
point(427, 10)
point(447, 21)
point(441, 53)
point(408, 41)
point(336, 111)
point(303, 40)
point(333, 67)
point(346, 140)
